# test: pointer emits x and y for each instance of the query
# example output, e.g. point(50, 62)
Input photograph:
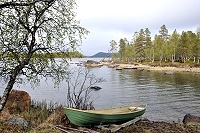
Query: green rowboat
point(105, 116)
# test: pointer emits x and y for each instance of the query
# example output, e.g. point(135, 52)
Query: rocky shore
point(158, 68)
point(191, 124)
point(148, 67)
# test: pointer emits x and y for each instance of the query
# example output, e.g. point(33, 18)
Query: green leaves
point(33, 28)
point(164, 47)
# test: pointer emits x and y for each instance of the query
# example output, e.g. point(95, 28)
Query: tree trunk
point(165, 59)
point(194, 60)
point(8, 88)
point(160, 61)
point(153, 57)
point(184, 59)
point(152, 60)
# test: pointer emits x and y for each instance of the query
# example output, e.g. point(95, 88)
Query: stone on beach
point(17, 121)
point(168, 73)
point(188, 118)
point(18, 99)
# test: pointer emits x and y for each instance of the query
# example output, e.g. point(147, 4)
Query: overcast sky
point(115, 19)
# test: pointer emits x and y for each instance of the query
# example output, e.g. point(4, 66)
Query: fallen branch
point(65, 129)
point(114, 127)
point(61, 129)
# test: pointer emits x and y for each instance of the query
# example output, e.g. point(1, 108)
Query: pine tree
point(140, 45)
point(113, 47)
point(164, 34)
point(158, 48)
point(174, 41)
point(122, 49)
point(148, 44)
point(183, 46)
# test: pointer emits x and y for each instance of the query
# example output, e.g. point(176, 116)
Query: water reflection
point(168, 96)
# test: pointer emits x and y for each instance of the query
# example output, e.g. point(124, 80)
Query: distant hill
point(101, 55)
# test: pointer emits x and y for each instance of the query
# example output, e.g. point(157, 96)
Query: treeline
point(184, 47)
point(75, 54)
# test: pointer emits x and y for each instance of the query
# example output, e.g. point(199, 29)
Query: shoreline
point(52, 118)
point(159, 68)
point(119, 66)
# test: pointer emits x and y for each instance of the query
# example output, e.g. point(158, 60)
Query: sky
point(108, 20)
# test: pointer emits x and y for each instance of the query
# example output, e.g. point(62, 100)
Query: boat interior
point(120, 110)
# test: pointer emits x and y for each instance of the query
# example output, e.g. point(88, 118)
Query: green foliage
point(148, 45)
point(60, 55)
point(39, 29)
point(174, 41)
point(140, 45)
point(164, 32)
point(122, 49)
point(172, 48)
point(159, 46)
point(113, 48)
point(31, 29)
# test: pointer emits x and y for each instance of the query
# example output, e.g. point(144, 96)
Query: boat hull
point(84, 118)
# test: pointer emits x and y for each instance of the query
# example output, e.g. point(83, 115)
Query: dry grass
point(40, 119)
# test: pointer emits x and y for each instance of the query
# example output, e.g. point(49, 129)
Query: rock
point(96, 88)
point(188, 118)
point(168, 73)
point(92, 62)
point(18, 99)
point(142, 69)
point(17, 121)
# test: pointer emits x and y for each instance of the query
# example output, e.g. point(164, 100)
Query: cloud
point(110, 19)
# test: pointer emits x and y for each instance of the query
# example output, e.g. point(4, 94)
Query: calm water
point(169, 97)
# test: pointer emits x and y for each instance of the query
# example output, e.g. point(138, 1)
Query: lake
point(168, 97)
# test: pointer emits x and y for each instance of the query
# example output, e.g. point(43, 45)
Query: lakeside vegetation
point(43, 118)
point(40, 117)
point(74, 54)
point(164, 48)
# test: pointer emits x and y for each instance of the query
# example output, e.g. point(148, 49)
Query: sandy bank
point(157, 68)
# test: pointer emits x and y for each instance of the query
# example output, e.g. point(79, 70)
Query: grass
point(41, 118)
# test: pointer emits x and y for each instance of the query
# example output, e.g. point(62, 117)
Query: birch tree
point(31, 27)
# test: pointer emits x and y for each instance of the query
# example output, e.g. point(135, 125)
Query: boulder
point(92, 62)
point(96, 88)
point(18, 99)
point(17, 121)
point(188, 118)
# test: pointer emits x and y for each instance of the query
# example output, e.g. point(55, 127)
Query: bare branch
point(79, 92)
point(14, 4)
